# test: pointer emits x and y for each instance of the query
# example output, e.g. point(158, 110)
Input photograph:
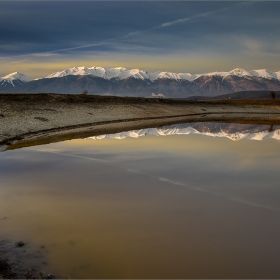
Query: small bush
point(273, 94)
point(20, 244)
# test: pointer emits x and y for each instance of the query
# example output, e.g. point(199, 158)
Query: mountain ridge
point(124, 73)
point(122, 82)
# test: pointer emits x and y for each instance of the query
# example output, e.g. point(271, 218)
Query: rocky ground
point(14, 262)
point(32, 119)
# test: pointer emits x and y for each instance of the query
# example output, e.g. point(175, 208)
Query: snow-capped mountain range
point(233, 132)
point(135, 82)
point(123, 73)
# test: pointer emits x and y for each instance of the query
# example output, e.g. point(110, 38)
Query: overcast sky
point(38, 38)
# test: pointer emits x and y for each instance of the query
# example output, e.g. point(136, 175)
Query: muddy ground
point(33, 119)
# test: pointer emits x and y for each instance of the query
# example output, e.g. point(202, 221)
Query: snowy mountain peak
point(264, 73)
point(13, 79)
point(239, 72)
point(17, 76)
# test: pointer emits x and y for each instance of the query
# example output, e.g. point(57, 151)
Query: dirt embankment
point(31, 119)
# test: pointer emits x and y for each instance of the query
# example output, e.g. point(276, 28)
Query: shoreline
point(35, 119)
point(21, 262)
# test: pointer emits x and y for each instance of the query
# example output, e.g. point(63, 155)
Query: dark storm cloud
point(246, 30)
point(64, 25)
point(46, 26)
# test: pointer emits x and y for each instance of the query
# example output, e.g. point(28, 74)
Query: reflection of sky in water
point(154, 207)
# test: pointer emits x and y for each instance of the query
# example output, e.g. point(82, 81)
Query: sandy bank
point(32, 119)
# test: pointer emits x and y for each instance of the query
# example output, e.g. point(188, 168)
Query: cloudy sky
point(41, 37)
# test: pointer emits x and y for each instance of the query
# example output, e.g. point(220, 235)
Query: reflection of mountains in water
point(232, 131)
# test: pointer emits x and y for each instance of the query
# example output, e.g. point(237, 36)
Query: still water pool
point(180, 206)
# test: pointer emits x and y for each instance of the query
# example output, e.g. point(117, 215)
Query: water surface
point(181, 206)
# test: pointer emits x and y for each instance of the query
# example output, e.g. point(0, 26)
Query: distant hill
point(262, 94)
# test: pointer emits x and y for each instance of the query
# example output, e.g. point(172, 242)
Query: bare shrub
point(273, 94)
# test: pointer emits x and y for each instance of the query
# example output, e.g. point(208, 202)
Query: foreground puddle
point(182, 206)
